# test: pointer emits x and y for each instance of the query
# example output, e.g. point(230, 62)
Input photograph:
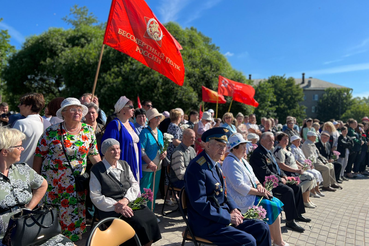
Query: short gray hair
point(92, 105)
point(10, 137)
point(265, 134)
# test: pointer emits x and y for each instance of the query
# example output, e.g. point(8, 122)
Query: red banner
point(240, 92)
point(225, 86)
point(134, 30)
point(211, 96)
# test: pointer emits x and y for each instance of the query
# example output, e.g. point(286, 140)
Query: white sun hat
point(71, 101)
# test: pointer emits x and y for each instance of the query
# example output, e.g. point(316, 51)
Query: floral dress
point(61, 190)
point(16, 190)
point(177, 133)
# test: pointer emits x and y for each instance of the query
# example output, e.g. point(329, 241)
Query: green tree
point(264, 94)
point(80, 16)
point(63, 63)
point(6, 49)
point(358, 109)
point(286, 101)
point(334, 103)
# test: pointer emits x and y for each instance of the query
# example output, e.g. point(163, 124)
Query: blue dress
point(128, 152)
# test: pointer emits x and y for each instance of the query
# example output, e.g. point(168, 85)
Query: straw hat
point(152, 113)
point(71, 101)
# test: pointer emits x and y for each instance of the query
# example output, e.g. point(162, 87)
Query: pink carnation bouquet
point(148, 195)
point(307, 165)
point(336, 155)
point(255, 213)
point(293, 180)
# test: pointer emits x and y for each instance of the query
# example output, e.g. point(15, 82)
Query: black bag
point(32, 227)
point(82, 181)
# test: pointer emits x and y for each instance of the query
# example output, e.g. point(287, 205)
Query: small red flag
point(211, 96)
point(200, 113)
point(134, 30)
point(139, 102)
point(240, 92)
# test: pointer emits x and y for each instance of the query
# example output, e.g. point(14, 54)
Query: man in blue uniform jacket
point(210, 210)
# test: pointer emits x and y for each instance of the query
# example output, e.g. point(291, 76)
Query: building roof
point(310, 84)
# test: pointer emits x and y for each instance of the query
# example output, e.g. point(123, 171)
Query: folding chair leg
point(165, 199)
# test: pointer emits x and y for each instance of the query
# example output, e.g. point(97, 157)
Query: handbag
point(82, 181)
point(32, 227)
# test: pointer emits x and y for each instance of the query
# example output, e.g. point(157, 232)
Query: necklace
point(66, 128)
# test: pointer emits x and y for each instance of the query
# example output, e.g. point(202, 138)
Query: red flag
point(134, 30)
point(242, 93)
point(225, 86)
point(200, 113)
point(211, 96)
point(139, 102)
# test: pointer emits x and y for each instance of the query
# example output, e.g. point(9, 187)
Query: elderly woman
point(90, 119)
point(286, 161)
point(241, 128)
point(21, 186)
point(290, 131)
point(61, 157)
point(140, 116)
point(246, 190)
point(124, 131)
point(152, 144)
point(228, 120)
point(300, 159)
point(113, 187)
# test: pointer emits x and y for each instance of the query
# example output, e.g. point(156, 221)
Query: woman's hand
point(163, 155)
point(152, 166)
point(260, 188)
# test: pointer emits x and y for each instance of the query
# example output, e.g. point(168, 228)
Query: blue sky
point(326, 39)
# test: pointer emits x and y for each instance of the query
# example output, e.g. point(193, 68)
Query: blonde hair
point(329, 127)
point(228, 114)
point(10, 137)
point(175, 114)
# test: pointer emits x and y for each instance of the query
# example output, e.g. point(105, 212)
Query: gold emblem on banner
point(153, 30)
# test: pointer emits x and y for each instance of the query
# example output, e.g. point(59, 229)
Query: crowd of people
point(84, 163)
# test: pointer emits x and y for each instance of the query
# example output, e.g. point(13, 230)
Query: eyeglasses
point(17, 146)
point(129, 106)
point(76, 110)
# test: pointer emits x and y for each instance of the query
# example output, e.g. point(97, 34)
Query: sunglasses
point(149, 105)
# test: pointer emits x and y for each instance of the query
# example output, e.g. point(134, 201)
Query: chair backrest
point(117, 233)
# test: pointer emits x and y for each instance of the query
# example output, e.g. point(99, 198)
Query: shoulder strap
point(62, 143)
point(160, 147)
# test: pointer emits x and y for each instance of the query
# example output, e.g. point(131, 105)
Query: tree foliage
point(334, 103)
point(79, 16)
point(63, 63)
point(279, 97)
point(6, 49)
point(358, 109)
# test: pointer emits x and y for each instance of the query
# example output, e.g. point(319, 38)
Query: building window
point(315, 97)
point(313, 109)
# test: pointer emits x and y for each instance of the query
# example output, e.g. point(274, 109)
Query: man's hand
point(284, 180)
point(236, 217)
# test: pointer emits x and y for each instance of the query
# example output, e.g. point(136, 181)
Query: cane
point(153, 192)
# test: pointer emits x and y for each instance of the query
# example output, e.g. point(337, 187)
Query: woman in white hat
point(60, 157)
point(246, 190)
point(152, 146)
point(125, 132)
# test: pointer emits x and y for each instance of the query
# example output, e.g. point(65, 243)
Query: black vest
point(110, 186)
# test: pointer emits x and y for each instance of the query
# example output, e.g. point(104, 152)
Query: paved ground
point(341, 218)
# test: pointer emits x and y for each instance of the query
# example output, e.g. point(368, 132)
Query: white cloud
point(355, 53)
point(334, 61)
point(228, 54)
point(199, 9)
point(363, 43)
point(169, 9)
point(13, 33)
point(334, 70)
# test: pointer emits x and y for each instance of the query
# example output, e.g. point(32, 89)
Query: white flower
point(168, 137)
point(184, 126)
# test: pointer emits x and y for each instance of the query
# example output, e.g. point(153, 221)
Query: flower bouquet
point(184, 126)
point(293, 180)
point(255, 213)
point(336, 155)
point(307, 165)
point(251, 150)
point(148, 195)
point(168, 138)
point(270, 182)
